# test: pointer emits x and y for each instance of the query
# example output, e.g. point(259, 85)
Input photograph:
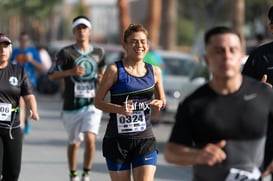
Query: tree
point(238, 20)
point(169, 21)
point(82, 8)
point(124, 16)
point(154, 20)
point(32, 16)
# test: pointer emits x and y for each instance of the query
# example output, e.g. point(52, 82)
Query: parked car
point(180, 79)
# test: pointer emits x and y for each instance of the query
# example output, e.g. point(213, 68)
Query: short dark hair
point(79, 17)
point(219, 30)
point(24, 33)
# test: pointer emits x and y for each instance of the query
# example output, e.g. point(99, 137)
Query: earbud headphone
point(10, 48)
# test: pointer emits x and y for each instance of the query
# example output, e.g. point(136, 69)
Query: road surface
point(44, 149)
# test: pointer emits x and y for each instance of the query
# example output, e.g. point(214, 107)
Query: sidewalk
point(44, 149)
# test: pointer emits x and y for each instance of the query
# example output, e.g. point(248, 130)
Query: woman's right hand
point(127, 108)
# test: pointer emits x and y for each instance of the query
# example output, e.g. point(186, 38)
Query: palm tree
point(154, 20)
point(169, 22)
point(238, 17)
point(124, 16)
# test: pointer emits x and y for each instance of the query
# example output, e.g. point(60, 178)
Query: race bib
point(5, 112)
point(134, 123)
point(242, 175)
point(84, 90)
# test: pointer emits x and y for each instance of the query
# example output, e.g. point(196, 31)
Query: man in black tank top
point(220, 129)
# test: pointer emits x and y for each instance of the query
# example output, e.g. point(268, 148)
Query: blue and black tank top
point(140, 91)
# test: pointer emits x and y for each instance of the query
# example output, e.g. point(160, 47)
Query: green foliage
point(256, 8)
point(198, 15)
point(32, 8)
point(27, 15)
point(185, 32)
point(79, 10)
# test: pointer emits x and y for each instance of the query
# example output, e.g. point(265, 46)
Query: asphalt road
point(44, 149)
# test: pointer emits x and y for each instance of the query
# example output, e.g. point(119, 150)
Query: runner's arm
point(108, 80)
point(100, 74)
point(35, 62)
point(75, 71)
point(160, 100)
point(185, 156)
point(31, 105)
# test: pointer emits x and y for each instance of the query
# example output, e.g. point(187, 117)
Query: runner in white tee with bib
point(81, 66)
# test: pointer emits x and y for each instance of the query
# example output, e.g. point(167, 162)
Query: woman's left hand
point(158, 104)
point(34, 115)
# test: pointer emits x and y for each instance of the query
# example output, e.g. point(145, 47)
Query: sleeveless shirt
point(140, 91)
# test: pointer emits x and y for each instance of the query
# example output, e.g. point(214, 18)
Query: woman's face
point(5, 51)
point(136, 45)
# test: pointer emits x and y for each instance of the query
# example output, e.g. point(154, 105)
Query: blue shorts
point(149, 159)
point(126, 152)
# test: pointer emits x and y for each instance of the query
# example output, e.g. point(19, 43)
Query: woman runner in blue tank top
point(129, 141)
